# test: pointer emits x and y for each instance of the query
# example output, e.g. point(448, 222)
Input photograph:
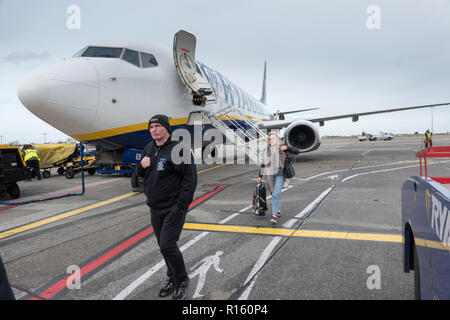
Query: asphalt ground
point(339, 236)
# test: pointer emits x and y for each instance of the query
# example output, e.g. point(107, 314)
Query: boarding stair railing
point(241, 131)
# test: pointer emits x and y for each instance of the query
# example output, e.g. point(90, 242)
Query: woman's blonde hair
point(272, 133)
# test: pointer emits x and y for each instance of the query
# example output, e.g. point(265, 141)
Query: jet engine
point(303, 135)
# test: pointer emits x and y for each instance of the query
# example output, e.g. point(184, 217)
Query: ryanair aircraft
point(105, 94)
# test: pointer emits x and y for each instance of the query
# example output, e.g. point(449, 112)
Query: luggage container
point(55, 156)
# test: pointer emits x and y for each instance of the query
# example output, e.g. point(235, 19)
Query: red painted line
point(185, 50)
point(62, 284)
point(219, 187)
point(98, 262)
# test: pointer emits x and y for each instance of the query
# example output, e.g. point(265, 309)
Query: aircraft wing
point(278, 124)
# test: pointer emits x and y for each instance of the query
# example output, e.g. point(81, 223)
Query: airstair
point(239, 130)
point(230, 121)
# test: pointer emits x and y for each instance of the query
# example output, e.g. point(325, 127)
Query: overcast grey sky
point(319, 53)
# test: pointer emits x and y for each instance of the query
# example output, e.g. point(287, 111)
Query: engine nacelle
point(303, 135)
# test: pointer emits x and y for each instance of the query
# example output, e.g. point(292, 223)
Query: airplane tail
point(263, 95)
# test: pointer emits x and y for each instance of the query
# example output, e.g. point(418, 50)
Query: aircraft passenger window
point(102, 52)
point(148, 60)
point(132, 57)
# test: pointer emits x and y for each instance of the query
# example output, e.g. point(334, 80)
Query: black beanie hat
point(161, 119)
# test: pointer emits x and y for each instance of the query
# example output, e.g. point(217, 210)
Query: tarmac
point(339, 236)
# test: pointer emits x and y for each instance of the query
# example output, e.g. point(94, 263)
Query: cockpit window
point(79, 53)
point(148, 60)
point(102, 52)
point(132, 57)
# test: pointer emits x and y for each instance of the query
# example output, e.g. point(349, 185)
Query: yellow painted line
point(209, 169)
point(238, 229)
point(75, 212)
point(63, 215)
point(335, 235)
point(296, 233)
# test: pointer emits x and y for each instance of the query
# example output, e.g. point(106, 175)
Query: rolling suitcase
point(259, 204)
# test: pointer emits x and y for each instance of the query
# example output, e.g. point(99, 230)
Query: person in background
point(428, 139)
point(31, 158)
point(272, 167)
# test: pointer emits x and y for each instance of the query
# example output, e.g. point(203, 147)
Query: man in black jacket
point(5, 288)
point(169, 185)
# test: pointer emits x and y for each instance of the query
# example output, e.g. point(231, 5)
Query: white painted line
point(268, 250)
point(358, 168)
point(264, 256)
point(266, 253)
point(313, 204)
point(130, 288)
point(378, 171)
point(261, 261)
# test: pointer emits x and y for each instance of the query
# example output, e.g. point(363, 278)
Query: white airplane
point(105, 94)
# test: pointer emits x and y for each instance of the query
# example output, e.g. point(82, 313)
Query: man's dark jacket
point(166, 182)
point(5, 288)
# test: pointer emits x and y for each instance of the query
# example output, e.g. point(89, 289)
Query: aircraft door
point(184, 58)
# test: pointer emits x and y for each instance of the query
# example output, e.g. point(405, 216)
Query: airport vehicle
point(55, 156)
point(388, 136)
point(105, 94)
point(374, 137)
point(92, 167)
point(12, 170)
point(426, 229)
point(382, 136)
point(74, 166)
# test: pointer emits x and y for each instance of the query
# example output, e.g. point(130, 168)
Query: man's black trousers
point(34, 163)
point(167, 224)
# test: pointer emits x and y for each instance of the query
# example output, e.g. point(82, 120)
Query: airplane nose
point(33, 92)
point(64, 94)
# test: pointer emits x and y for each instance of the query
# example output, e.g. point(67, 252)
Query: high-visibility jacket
point(30, 154)
point(428, 135)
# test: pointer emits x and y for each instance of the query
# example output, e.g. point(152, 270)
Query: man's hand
point(145, 162)
point(283, 148)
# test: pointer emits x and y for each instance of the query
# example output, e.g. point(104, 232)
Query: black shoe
point(167, 289)
point(180, 290)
